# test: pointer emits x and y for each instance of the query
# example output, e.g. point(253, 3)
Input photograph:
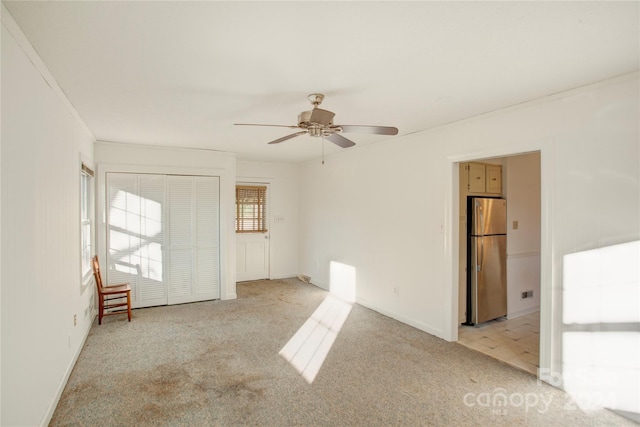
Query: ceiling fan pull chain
point(323, 149)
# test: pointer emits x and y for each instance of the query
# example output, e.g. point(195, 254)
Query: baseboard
point(522, 312)
point(283, 276)
point(319, 285)
point(52, 408)
point(418, 325)
point(633, 416)
point(273, 277)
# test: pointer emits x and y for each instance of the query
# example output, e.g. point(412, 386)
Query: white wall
point(283, 188)
point(522, 174)
point(391, 209)
point(116, 157)
point(380, 209)
point(42, 142)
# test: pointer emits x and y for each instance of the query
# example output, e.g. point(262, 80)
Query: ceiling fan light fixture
point(315, 130)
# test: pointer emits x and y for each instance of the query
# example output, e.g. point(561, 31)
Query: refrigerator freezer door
point(488, 278)
point(489, 216)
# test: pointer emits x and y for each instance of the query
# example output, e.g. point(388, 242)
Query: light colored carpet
point(217, 363)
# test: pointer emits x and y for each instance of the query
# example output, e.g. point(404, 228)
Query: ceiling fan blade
point(340, 140)
point(376, 130)
point(276, 126)
point(284, 138)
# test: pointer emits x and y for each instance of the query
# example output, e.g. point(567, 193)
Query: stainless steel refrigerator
point(486, 259)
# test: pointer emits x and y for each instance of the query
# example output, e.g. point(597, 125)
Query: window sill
point(87, 280)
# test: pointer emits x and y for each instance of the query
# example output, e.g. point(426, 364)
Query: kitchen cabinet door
point(494, 179)
point(477, 178)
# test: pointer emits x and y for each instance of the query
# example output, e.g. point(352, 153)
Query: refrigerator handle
point(481, 257)
point(480, 215)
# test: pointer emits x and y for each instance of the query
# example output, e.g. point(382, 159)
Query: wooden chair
point(106, 294)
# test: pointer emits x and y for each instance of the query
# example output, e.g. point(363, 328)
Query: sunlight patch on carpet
point(310, 345)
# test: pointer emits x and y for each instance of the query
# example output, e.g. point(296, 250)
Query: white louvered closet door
point(151, 284)
point(193, 235)
point(123, 222)
point(179, 249)
point(207, 237)
point(163, 237)
point(135, 236)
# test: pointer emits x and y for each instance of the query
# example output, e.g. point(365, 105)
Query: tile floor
point(514, 341)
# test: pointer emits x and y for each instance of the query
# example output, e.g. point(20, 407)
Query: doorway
point(515, 338)
point(253, 238)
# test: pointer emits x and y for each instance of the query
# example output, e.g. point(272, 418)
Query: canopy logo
point(499, 400)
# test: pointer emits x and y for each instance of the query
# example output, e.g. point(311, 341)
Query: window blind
point(87, 170)
point(251, 208)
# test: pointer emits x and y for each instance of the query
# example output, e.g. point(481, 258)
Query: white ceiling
point(181, 73)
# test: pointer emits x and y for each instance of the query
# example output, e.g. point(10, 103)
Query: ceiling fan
point(319, 122)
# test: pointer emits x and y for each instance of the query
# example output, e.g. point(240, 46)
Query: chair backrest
point(96, 272)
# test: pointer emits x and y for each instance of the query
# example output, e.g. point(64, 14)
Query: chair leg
point(129, 305)
point(100, 309)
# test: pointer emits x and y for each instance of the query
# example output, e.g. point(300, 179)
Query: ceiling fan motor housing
point(317, 116)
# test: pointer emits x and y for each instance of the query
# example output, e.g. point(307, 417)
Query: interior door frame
point(549, 339)
point(268, 182)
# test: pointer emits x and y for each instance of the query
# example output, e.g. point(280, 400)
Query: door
point(494, 179)
point(135, 236)
point(252, 232)
point(193, 238)
point(163, 237)
point(476, 178)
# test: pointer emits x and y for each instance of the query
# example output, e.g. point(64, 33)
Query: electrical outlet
point(396, 290)
point(526, 294)
point(515, 225)
point(75, 319)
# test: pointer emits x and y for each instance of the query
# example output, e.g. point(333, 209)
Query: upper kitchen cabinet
point(494, 179)
point(482, 178)
point(476, 177)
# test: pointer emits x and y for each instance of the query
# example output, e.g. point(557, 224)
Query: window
point(251, 208)
point(86, 219)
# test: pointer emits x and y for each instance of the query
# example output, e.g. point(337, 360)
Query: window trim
point(88, 207)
